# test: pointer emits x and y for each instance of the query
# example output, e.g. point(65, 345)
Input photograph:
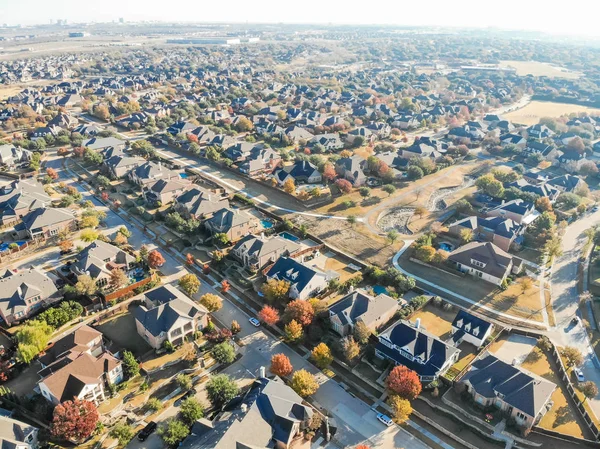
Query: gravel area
point(436, 200)
point(397, 219)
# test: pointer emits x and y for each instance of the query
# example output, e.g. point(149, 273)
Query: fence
point(124, 291)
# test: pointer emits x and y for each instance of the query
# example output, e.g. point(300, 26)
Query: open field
point(9, 91)
point(540, 69)
point(531, 114)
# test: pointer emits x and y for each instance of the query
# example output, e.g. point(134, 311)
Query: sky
point(548, 16)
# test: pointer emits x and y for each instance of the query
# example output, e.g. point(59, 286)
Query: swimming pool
point(379, 289)
point(288, 236)
point(266, 224)
point(445, 246)
point(183, 175)
point(5, 246)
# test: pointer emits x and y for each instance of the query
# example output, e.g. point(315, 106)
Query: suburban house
point(83, 377)
point(44, 223)
point(260, 160)
point(301, 172)
point(296, 133)
point(164, 191)
point(539, 131)
point(20, 197)
point(269, 414)
point(352, 168)
point(412, 346)
point(469, 328)
point(537, 147)
point(151, 172)
point(169, 315)
point(200, 203)
point(120, 163)
point(11, 155)
point(421, 148)
point(103, 143)
point(546, 190)
point(567, 183)
point(486, 261)
point(234, 223)
point(23, 293)
point(305, 281)
point(331, 141)
point(98, 259)
point(358, 305)
point(520, 394)
point(17, 435)
point(255, 252)
point(519, 211)
point(497, 229)
point(84, 339)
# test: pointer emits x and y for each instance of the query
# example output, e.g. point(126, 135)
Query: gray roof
point(226, 219)
point(153, 170)
point(18, 287)
point(92, 259)
point(50, 216)
point(199, 201)
point(495, 259)
point(99, 143)
point(257, 246)
point(360, 305)
point(13, 432)
point(20, 194)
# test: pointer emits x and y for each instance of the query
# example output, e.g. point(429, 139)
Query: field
point(9, 91)
point(531, 114)
point(539, 69)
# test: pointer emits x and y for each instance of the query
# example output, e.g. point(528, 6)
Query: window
point(521, 416)
point(477, 263)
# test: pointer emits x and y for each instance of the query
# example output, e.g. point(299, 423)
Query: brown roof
point(76, 341)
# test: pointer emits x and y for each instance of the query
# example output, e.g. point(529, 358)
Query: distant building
point(79, 34)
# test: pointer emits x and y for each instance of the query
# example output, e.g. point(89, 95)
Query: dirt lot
point(539, 69)
point(531, 114)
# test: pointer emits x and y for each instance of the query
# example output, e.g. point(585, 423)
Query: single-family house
point(98, 259)
point(301, 172)
point(46, 222)
point(471, 329)
point(103, 143)
point(19, 197)
point(544, 190)
point(84, 339)
point(16, 434)
point(234, 223)
point(566, 183)
point(256, 251)
point(260, 160)
point(331, 141)
point(11, 155)
point(163, 191)
point(151, 172)
point(305, 281)
point(200, 203)
point(352, 168)
point(517, 210)
point(497, 229)
point(121, 163)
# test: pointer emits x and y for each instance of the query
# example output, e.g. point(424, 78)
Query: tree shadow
point(562, 416)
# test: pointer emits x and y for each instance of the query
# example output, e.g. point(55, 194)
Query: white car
point(385, 419)
point(254, 322)
point(579, 375)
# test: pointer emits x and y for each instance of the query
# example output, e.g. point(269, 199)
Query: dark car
point(146, 431)
point(63, 252)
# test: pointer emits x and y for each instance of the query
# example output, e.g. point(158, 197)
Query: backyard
point(121, 330)
point(435, 320)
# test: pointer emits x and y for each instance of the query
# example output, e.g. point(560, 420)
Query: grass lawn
point(536, 68)
point(560, 418)
point(133, 386)
point(513, 301)
point(122, 332)
point(161, 360)
point(435, 320)
point(534, 111)
point(497, 344)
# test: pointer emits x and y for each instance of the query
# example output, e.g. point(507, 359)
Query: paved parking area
point(516, 347)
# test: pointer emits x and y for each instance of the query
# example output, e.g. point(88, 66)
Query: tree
point(225, 286)
point(420, 211)
point(221, 389)
point(235, 327)
point(322, 356)
point(66, 245)
point(221, 238)
point(91, 157)
point(191, 410)
point(281, 365)
point(268, 315)
point(589, 390)
point(89, 221)
point(223, 353)
point(351, 348)
point(304, 383)
point(525, 283)
point(344, 185)
point(122, 432)
point(415, 172)
point(86, 286)
point(190, 259)
point(52, 174)
point(62, 151)
point(88, 235)
point(365, 192)
point(154, 404)
point(143, 147)
point(211, 302)
point(118, 278)
point(301, 311)
point(362, 333)
point(403, 382)
point(190, 284)
point(276, 290)
point(329, 172)
point(351, 219)
point(293, 331)
point(401, 408)
point(572, 356)
point(74, 420)
point(173, 431)
point(183, 381)
point(466, 235)
point(389, 189)
point(289, 186)
point(392, 235)
point(155, 259)
point(102, 181)
point(543, 204)
point(119, 239)
point(130, 364)
point(32, 338)
point(425, 253)
point(244, 125)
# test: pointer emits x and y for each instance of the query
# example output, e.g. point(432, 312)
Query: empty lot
point(534, 111)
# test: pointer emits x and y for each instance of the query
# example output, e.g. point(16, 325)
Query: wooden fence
point(124, 291)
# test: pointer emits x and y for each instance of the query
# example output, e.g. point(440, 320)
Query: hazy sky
point(580, 17)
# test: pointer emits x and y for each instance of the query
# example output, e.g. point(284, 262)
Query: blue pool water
point(266, 224)
point(4, 246)
point(379, 289)
point(183, 175)
point(288, 236)
point(446, 246)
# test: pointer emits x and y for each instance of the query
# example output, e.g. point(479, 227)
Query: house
point(297, 133)
point(363, 132)
point(169, 315)
point(539, 131)
point(469, 328)
point(181, 127)
point(103, 143)
point(513, 139)
point(535, 176)
point(200, 203)
point(19, 197)
point(358, 305)
point(86, 129)
point(537, 147)
point(17, 435)
point(412, 346)
point(255, 252)
point(305, 281)
point(486, 261)
point(269, 414)
point(421, 149)
point(120, 163)
point(63, 120)
point(151, 172)
point(84, 377)
point(260, 160)
point(517, 210)
point(44, 223)
point(522, 395)
point(84, 339)
point(301, 172)
point(566, 183)
point(11, 155)
point(331, 141)
point(23, 293)
point(571, 160)
point(352, 168)
point(545, 190)
point(164, 191)
point(234, 223)
point(98, 259)
point(497, 229)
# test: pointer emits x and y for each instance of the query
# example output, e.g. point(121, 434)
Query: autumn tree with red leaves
point(269, 315)
point(74, 420)
point(225, 286)
point(52, 174)
point(189, 259)
point(329, 172)
point(155, 259)
point(301, 311)
point(344, 185)
point(404, 382)
point(281, 365)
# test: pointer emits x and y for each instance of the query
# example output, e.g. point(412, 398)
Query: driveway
point(516, 348)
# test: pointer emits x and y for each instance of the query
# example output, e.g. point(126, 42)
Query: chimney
point(418, 323)
point(244, 408)
point(263, 372)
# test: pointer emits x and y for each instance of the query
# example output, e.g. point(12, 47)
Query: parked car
point(385, 419)
point(254, 322)
point(147, 431)
point(65, 269)
point(575, 321)
point(579, 375)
